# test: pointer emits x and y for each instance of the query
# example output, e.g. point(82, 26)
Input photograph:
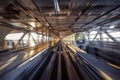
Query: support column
point(28, 39)
point(109, 35)
point(34, 40)
point(20, 39)
point(49, 37)
point(101, 37)
point(42, 35)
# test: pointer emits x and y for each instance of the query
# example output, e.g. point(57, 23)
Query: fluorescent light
point(57, 8)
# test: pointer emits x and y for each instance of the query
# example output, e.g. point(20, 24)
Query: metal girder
point(96, 35)
point(101, 36)
point(18, 2)
point(42, 38)
point(109, 35)
point(34, 39)
point(23, 22)
point(33, 16)
point(87, 7)
point(28, 38)
point(20, 40)
point(40, 11)
point(6, 24)
point(102, 15)
point(88, 34)
point(106, 21)
point(38, 36)
point(109, 20)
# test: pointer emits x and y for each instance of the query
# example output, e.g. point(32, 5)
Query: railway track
point(91, 68)
point(58, 66)
point(61, 63)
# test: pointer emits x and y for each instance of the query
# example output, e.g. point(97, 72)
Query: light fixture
point(56, 4)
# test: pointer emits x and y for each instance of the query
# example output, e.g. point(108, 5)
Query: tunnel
point(59, 39)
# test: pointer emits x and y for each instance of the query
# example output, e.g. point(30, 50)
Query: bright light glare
point(93, 32)
point(113, 26)
point(35, 36)
point(13, 36)
point(105, 36)
point(32, 23)
point(56, 4)
point(17, 36)
point(115, 34)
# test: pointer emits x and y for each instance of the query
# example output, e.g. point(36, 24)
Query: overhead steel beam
point(36, 18)
point(34, 40)
point(6, 24)
point(42, 38)
point(117, 17)
point(23, 22)
point(88, 35)
point(33, 16)
point(20, 6)
point(108, 20)
point(28, 38)
point(41, 12)
point(96, 36)
point(101, 36)
point(116, 41)
point(84, 10)
point(38, 36)
point(102, 15)
point(20, 40)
